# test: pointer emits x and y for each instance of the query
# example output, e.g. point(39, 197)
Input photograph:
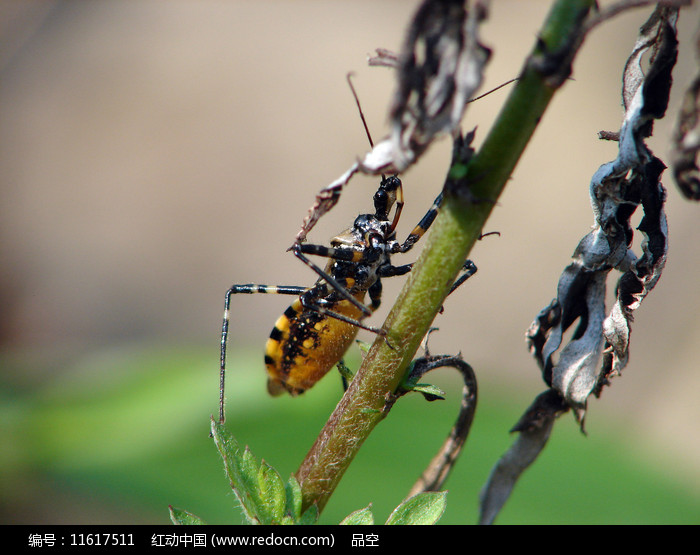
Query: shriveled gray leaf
point(439, 69)
point(686, 139)
point(598, 349)
point(533, 428)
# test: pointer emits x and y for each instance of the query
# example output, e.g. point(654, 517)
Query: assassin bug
point(318, 327)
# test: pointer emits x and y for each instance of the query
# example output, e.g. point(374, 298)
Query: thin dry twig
point(439, 468)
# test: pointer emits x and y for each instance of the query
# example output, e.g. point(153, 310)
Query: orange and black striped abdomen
point(305, 344)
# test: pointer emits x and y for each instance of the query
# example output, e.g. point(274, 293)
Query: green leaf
point(261, 492)
point(359, 517)
point(310, 516)
point(345, 371)
point(363, 346)
point(293, 498)
point(258, 487)
point(270, 495)
point(424, 508)
point(237, 468)
point(429, 390)
point(242, 472)
point(180, 516)
point(293, 505)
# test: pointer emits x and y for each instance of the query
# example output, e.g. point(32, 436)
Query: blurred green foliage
point(124, 434)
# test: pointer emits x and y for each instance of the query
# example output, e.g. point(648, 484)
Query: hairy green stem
point(471, 192)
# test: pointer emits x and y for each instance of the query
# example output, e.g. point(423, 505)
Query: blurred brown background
point(153, 153)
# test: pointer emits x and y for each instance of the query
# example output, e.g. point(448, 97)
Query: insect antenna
point(359, 109)
point(492, 90)
point(390, 190)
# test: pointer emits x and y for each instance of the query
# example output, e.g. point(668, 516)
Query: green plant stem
point(472, 190)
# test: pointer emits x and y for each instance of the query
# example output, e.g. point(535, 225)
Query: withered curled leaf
point(598, 349)
point(686, 139)
point(439, 69)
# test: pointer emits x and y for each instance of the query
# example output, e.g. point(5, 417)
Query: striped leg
point(422, 226)
point(367, 255)
point(313, 300)
point(468, 269)
point(248, 288)
point(336, 254)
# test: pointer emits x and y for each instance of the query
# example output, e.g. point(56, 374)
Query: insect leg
point(422, 226)
point(468, 270)
point(375, 294)
point(391, 271)
point(354, 256)
point(310, 302)
point(345, 255)
point(248, 288)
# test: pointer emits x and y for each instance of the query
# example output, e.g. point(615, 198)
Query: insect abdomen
point(304, 345)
